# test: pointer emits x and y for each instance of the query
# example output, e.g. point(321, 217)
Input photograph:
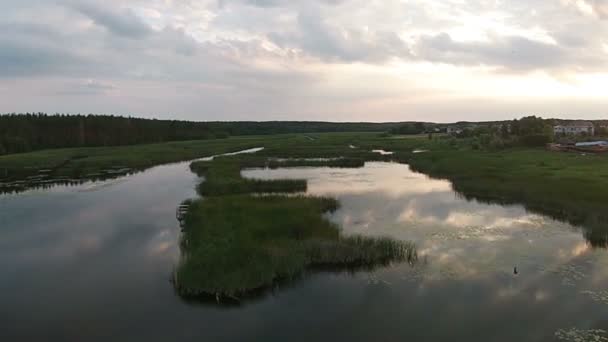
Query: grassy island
point(236, 242)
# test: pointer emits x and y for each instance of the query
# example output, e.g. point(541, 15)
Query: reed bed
point(236, 245)
point(223, 174)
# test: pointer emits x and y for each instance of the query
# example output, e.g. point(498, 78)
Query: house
point(461, 128)
point(454, 130)
point(575, 128)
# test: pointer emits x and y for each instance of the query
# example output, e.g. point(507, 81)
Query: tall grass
point(565, 186)
point(223, 177)
point(337, 163)
point(236, 245)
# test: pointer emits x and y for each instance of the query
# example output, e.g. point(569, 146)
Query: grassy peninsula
point(237, 242)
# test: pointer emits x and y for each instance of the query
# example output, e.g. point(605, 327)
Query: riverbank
point(79, 162)
point(567, 186)
point(92, 161)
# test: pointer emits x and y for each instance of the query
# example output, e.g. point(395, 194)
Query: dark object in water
point(515, 271)
point(181, 212)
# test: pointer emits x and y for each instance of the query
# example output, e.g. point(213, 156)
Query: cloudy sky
point(338, 60)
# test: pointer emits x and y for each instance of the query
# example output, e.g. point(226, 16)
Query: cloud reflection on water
point(460, 238)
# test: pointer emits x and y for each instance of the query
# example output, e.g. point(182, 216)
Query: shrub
point(535, 140)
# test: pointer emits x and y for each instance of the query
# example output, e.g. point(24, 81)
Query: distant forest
point(29, 132)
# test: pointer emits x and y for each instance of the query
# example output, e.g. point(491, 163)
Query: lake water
point(93, 263)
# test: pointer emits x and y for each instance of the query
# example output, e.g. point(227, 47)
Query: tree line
point(530, 131)
point(35, 131)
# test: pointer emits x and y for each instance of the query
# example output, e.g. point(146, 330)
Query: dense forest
point(29, 132)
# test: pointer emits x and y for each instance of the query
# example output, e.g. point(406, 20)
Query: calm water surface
point(93, 263)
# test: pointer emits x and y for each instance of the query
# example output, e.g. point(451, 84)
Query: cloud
point(276, 3)
point(86, 87)
point(96, 85)
point(120, 22)
point(317, 37)
point(31, 49)
point(600, 7)
point(273, 58)
point(511, 53)
point(514, 53)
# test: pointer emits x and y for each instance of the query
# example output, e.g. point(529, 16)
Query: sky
point(329, 60)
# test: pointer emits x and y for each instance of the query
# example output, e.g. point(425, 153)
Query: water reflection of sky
point(76, 255)
point(459, 240)
point(93, 262)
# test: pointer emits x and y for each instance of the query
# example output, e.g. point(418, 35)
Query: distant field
point(76, 162)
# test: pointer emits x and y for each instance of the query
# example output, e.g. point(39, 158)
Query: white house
point(575, 128)
point(454, 130)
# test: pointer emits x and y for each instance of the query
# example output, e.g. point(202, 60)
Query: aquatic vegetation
point(579, 335)
point(570, 273)
point(597, 296)
point(235, 245)
point(109, 162)
point(223, 174)
point(223, 177)
point(338, 162)
point(566, 187)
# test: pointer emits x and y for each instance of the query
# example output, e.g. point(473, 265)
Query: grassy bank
point(566, 186)
point(75, 164)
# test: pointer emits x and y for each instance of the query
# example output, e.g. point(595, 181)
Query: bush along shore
point(236, 243)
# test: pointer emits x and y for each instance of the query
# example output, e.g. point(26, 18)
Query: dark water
point(93, 263)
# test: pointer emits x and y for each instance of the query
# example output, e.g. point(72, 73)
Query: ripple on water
point(570, 274)
point(597, 296)
point(579, 335)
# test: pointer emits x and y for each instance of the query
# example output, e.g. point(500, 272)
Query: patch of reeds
point(245, 186)
point(337, 163)
point(359, 252)
point(236, 245)
point(538, 180)
point(223, 175)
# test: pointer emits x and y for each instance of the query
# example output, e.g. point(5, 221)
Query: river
point(93, 262)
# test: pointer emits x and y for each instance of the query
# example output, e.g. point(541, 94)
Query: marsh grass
point(223, 177)
point(565, 186)
point(336, 163)
point(236, 245)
